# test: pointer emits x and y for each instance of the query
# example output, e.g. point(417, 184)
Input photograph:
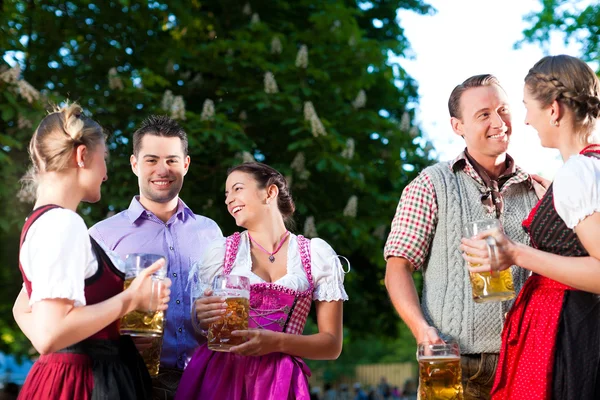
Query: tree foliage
point(577, 23)
point(305, 86)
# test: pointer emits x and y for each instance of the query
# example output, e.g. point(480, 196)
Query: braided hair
point(573, 84)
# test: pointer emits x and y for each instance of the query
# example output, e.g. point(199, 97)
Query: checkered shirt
point(416, 216)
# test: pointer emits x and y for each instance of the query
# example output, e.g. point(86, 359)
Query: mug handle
point(493, 253)
point(156, 287)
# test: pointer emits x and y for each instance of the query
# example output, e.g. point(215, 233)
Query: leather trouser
point(478, 373)
point(164, 385)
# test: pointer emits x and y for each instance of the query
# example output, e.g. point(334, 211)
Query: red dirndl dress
point(104, 366)
point(551, 337)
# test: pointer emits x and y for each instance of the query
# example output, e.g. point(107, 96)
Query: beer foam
point(232, 293)
point(449, 357)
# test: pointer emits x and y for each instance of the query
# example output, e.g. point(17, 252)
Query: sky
point(470, 37)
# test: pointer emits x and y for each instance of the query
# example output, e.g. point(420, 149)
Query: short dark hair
point(159, 125)
point(472, 82)
point(267, 176)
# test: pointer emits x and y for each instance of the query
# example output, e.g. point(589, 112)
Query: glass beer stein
point(236, 289)
point(440, 376)
point(147, 324)
point(494, 285)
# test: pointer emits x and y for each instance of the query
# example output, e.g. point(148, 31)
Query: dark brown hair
point(159, 125)
point(267, 176)
point(472, 82)
point(573, 84)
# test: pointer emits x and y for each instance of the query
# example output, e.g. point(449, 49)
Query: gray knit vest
point(447, 299)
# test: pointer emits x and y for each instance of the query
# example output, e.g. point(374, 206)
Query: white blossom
point(414, 132)
point(208, 110)
point(209, 204)
point(317, 127)
point(28, 92)
point(270, 83)
point(298, 164)
point(405, 122)
point(309, 110)
point(304, 175)
point(198, 80)
point(350, 210)
point(23, 123)
point(360, 101)
point(12, 75)
point(310, 230)
point(379, 232)
point(167, 100)
point(276, 47)
point(289, 179)
point(114, 81)
point(178, 108)
point(336, 25)
point(170, 67)
point(352, 41)
point(348, 152)
point(247, 157)
point(428, 147)
point(27, 195)
point(302, 57)
point(247, 10)
point(255, 19)
point(243, 115)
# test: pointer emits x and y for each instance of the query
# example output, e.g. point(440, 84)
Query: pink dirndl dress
point(212, 375)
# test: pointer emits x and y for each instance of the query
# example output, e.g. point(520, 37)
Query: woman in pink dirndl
point(286, 273)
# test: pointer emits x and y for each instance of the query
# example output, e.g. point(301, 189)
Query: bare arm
point(324, 345)
point(22, 312)
point(581, 273)
point(403, 293)
point(54, 324)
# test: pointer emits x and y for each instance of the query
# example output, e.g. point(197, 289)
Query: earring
point(80, 164)
point(554, 123)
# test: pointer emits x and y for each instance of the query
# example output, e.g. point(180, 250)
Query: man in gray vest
point(482, 182)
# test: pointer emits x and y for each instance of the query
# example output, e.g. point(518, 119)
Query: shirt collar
point(462, 163)
point(136, 210)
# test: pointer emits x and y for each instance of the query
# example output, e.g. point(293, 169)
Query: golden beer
point(234, 318)
point(440, 378)
point(142, 323)
point(151, 355)
point(491, 287)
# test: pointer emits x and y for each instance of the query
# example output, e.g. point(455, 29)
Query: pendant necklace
point(271, 255)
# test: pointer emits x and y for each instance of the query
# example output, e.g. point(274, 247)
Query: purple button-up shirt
point(182, 239)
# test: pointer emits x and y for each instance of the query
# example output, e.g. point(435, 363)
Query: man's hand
point(142, 343)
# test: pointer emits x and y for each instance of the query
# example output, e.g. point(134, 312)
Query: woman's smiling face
point(244, 199)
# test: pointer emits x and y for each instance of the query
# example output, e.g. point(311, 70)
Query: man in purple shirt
point(158, 221)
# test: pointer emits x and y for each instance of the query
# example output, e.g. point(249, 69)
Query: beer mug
point(440, 376)
point(144, 323)
point(493, 285)
point(236, 290)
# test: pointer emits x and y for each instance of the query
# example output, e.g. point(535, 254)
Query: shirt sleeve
point(414, 223)
point(203, 270)
point(56, 256)
point(327, 272)
point(576, 189)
